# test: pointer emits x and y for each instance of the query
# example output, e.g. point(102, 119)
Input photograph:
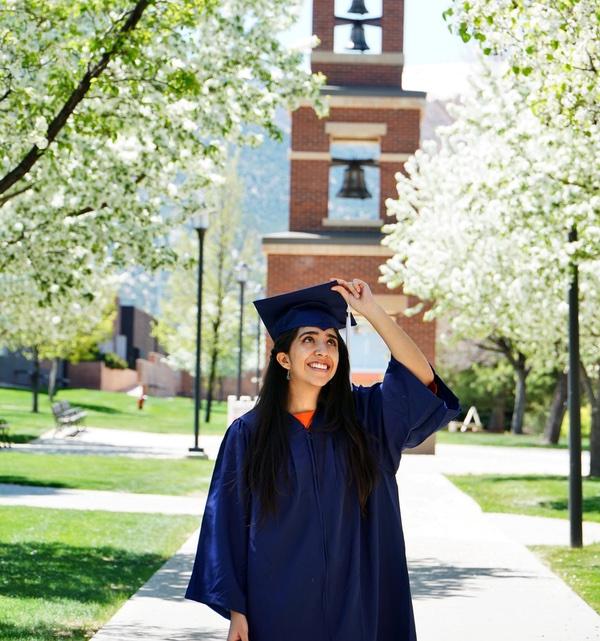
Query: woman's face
point(313, 357)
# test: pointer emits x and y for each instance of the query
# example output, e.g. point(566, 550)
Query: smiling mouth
point(319, 367)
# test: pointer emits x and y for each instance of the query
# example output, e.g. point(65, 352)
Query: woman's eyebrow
point(312, 331)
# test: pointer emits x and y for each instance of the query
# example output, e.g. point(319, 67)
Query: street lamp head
point(200, 220)
point(242, 273)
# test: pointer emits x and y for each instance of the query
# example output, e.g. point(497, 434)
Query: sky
point(435, 60)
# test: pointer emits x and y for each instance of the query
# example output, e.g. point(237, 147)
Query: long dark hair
point(269, 447)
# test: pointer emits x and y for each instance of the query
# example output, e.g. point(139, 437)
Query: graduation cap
point(316, 306)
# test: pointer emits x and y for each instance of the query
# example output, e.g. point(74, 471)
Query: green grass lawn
point(63, 573)
point(533, 494)
point(116, 473)
point(578, 567)
point(505, 440)
point(108, 410)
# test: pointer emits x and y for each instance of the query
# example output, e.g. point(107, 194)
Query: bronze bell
point(354, 185)
point(358, 6)
point(357, 38)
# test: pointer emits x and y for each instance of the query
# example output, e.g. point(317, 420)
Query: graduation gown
point(318, 570)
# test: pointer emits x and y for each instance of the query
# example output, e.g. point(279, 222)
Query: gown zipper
point(317, 493)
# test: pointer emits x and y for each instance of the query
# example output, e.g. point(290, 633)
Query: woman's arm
point(358, 295)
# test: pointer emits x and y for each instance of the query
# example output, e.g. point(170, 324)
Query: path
point(469, 580)
point(472, 577)
point(66, 499)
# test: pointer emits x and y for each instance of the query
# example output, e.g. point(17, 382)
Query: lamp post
point(574, 403)
point(241, 279)
point(259, 294)
point(200, 225)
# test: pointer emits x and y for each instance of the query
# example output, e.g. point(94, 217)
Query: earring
point(288, 375)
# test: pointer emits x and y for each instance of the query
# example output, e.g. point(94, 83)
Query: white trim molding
point(352, 222)
point(356, 130)
point(329, 57)
point(325, 249)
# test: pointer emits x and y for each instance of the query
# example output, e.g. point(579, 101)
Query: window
point(368, 352)
point(354, 208)
point(372, 34)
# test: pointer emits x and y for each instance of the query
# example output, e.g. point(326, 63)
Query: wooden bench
point(4, 434)
point(66, 416)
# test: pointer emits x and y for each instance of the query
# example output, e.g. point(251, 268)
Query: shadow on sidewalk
point(430, 579)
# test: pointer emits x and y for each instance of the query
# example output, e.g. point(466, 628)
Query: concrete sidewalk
point(66, 499)
point(100, 441)
point(470, 580)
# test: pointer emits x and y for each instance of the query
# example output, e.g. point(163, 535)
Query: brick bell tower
point(343, 166)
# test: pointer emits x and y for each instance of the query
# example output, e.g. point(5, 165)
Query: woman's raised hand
point(238, 628)
point(356, 293)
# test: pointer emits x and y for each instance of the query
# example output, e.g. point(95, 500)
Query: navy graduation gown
point(317, 570)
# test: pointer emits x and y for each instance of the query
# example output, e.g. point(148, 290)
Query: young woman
point(301, 539)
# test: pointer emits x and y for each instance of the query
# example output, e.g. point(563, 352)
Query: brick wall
point(360, 74)
point(392, 22)
point(309, 179)
point(288, 272)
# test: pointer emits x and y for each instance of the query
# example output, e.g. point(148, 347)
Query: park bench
point(66, 416)
point(4, 435)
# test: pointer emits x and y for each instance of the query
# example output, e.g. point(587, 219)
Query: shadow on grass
point(85, 574)
point(590, 504)
point(102, 409)
point(24, 437)
point(40, 632)
point(25, 480)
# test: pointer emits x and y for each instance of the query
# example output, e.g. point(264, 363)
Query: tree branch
point(54, 128)
point(5, 199)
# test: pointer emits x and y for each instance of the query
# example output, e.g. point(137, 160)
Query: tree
point(226, 244)
point(64, 329)
point(114, 115)
point(555, 43)
point(482, 229)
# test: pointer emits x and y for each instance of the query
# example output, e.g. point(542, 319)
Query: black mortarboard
point(318, 306)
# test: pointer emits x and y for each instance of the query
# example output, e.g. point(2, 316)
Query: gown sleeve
point(219, 573)
point(402, 412)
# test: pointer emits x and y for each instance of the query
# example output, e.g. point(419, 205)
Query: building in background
point(343, 167)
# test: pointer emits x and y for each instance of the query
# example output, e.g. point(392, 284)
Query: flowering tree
point(65, 328)
point(227, 243)
point(113, 116)
point(483, 224)
point(556, 43)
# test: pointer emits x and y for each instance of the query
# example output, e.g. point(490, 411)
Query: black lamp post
point(200, 225)
point(241, 279)
point(574, 403)
point(259, 294)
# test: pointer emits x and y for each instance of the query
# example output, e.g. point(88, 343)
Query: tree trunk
point(496, 423)
point(211, 382)
point(52, 380)
point(594, 398)
point(35, 380)
point(595, 440)
point(516, 425)
point(558, 407)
